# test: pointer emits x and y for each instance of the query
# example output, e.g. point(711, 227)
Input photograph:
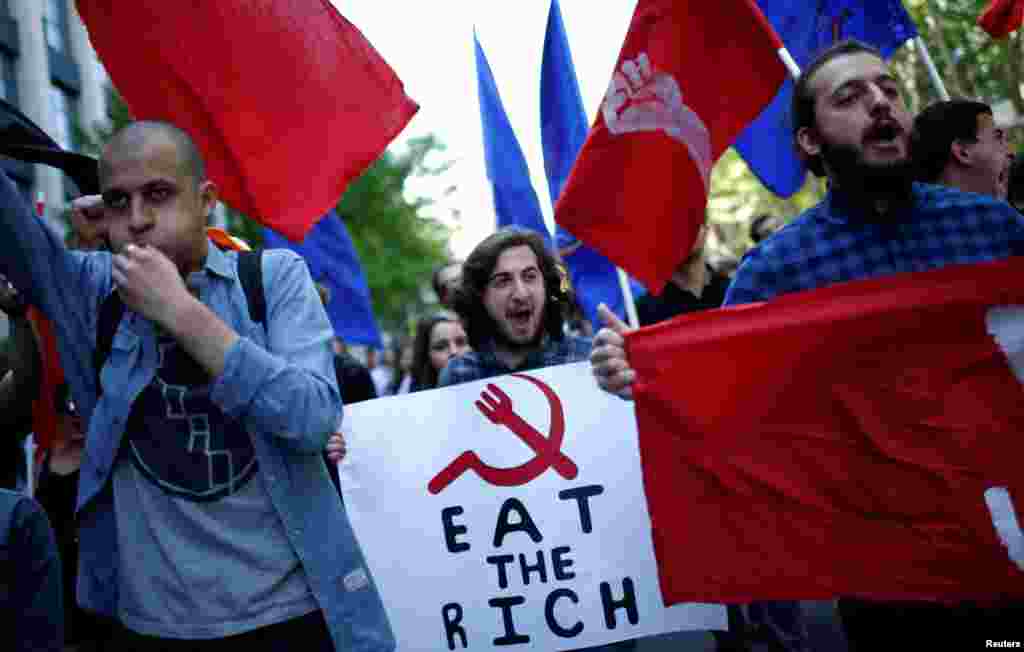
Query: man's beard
point(863, 181)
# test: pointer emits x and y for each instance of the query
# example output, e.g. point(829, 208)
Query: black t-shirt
point(354, 381)
point(674, 301)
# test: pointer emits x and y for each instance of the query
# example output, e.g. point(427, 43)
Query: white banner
point(508, 514)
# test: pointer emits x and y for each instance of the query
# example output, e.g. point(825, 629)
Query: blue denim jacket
point(280, 382)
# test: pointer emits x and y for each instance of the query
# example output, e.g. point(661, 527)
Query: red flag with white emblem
point(690, 76)
point(861, 439)
point(286, 99)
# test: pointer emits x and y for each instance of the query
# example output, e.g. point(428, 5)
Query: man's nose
point(880, 102)
point(141, 216)
point(519, 287)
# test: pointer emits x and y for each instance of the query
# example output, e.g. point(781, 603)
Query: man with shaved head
point(208, 521)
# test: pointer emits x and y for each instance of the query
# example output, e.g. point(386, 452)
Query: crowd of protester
point(165, 556)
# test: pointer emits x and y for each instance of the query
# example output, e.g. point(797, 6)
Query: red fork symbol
point(497, 407)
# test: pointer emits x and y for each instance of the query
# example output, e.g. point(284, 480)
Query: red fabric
point(638, 197)
point(1002, 17)
point(44, 416)
point(286, 99)
point(834, 442)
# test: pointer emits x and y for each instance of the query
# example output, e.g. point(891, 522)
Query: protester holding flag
point(190, 371)
point(851, 125)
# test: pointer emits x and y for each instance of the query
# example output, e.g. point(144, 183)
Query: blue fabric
point(563, 130)
point(515, 202)
point(807, 27)
point(332, 260)
point(31, 593)
point(481, 364)
point(278, 381)
point(834, 242)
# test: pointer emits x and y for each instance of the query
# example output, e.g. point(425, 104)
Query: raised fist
point(642, 99)
point(88, 222)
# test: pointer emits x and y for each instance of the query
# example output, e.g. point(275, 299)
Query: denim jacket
point(279, 381)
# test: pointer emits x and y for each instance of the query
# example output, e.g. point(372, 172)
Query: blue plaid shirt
point(835, 242)
point(482, 363)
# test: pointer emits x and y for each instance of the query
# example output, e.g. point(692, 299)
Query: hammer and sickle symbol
point(497, 407)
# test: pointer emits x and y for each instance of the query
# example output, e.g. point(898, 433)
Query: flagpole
point(790, 63)
point(627, 297)
point(933, 72)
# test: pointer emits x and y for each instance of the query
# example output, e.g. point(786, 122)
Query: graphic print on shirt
point(180, 440)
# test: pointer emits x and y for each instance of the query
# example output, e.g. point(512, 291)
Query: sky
point(430, 47)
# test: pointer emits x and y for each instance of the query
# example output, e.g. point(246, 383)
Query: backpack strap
point(111, 312)
point(250, 274)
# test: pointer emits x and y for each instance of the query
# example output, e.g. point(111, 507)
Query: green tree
point(398, 245)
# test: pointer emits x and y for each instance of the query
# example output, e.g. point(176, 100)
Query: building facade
point(49, 70)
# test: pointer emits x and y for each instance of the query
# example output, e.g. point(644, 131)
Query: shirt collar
point(217, 261)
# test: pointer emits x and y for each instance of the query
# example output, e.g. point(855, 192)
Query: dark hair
point(936, 129)
point(135, 134)
point(424, 376)
point(435, 279)
point(1015, 183)
point(801, 110)
point(476, 273)
point(757, 227)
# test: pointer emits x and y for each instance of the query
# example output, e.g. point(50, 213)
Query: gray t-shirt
point(202, 552)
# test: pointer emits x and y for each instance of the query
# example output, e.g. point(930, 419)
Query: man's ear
point(208, 196)
point(809, 142)
point(960, 153)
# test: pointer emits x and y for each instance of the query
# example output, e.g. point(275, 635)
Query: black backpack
point(250, 275)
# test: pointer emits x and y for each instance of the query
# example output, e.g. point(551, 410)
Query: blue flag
point(332, 261)
point(806, 27)
point(515, 201)
point(563, 130)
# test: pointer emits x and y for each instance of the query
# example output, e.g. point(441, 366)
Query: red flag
point(286, 99)
point(861, 439)
point(1002, 17)
point(51, 376)
point(690, 77)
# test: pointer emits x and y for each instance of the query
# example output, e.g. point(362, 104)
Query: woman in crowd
point(438, 339)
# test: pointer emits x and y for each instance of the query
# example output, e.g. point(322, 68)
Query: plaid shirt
point(835, 242)
point(480, 364)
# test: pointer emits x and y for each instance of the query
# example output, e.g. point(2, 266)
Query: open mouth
point(520, 318)
point(883, 134)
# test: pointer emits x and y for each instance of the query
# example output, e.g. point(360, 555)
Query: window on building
point(62, 108)
point(54, 24)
